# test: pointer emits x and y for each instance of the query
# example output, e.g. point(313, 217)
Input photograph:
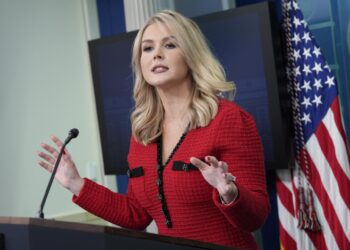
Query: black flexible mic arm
point(73, 133)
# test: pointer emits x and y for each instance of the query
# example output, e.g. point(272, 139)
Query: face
point(162, 63)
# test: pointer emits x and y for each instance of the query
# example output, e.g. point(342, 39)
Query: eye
point(147, 48)
point(170, 45)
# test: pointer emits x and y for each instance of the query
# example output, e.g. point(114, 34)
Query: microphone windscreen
point(73, 133)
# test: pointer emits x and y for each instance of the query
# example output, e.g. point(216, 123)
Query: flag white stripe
point(289, 224)
point(326, 230)
point(330, 183)
point(339, 144)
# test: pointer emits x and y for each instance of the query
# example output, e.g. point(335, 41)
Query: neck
point(176, 110)
point(176, 103)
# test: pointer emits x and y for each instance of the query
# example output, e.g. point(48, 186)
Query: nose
point(158, 54)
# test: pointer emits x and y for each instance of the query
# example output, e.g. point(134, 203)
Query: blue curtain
point(112, 22)
point(111, 17)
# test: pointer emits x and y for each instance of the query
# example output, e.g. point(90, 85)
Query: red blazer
point(194, 206)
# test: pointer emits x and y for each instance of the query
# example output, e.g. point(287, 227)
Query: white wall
point(45, 88)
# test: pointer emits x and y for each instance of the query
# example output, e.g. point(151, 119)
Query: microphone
point(73, 133)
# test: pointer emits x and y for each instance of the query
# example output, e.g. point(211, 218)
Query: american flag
point(322, 157)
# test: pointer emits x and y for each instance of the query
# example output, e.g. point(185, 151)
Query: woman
point(195, 159)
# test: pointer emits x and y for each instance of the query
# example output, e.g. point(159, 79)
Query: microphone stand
point(40, 212)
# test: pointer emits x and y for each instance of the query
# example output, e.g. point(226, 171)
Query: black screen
point(246, 43)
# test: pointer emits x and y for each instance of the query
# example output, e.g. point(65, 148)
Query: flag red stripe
point(318, 239)
point(328, 208)
point(327, 146)
point(287, 241)
point(285, 196)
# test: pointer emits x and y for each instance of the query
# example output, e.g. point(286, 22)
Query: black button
point(128, 173)
point(159, 182)
point(160, 196)
point(159, 167)
point(185, 167)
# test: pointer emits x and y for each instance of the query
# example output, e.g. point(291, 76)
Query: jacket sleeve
point(124, 211)
point(238, 144)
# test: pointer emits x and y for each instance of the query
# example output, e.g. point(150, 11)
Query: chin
point(159, 83)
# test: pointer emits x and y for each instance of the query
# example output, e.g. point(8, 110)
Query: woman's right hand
point(67, 174)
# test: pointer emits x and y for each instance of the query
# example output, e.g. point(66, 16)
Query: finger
point(212, 161)
point(198, 163)
point(56, 140)
point(59, 144)
point(50, 149)
point(223, 165)
point(45, 165)
point(46, 157)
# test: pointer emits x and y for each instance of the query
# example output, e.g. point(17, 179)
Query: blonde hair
point(208, 79)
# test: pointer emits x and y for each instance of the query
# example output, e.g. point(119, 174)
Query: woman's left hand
point(216, 174)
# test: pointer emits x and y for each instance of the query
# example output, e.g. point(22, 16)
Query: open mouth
point(159, 69)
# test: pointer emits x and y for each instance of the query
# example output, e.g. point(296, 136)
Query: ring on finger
point(230, 178)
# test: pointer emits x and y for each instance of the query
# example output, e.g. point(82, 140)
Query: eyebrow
point(163, 40)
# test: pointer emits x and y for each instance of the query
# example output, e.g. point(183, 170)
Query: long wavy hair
point(208, 79)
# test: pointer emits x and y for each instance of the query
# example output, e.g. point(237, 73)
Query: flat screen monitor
point(246, 42)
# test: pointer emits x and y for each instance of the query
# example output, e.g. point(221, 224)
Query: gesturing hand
point(67, 174)
point(215, 173)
